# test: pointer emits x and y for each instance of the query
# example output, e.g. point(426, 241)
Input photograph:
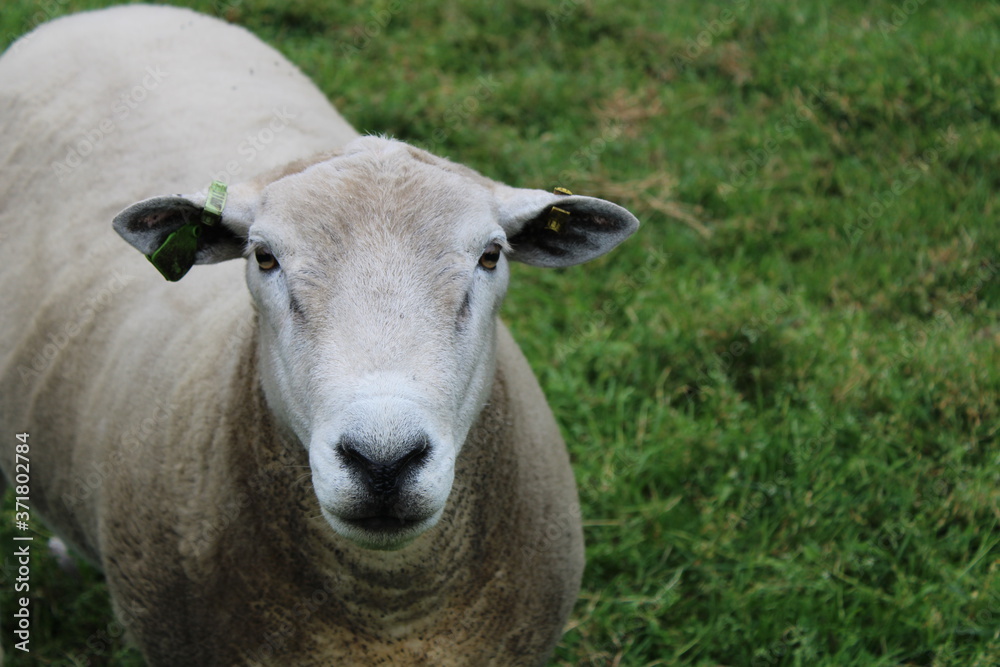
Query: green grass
point(781, 396)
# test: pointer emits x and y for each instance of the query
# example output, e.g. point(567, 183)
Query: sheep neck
point(379, 594)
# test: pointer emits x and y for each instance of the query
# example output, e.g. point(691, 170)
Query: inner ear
point(147, 224)
point(570, 230)
point(546, 239)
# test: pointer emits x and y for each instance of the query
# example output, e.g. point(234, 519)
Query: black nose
point(382, 469)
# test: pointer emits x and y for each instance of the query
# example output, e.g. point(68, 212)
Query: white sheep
point(350, 462)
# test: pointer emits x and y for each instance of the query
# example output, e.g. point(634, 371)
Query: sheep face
point(378, 279)
point(377, 275)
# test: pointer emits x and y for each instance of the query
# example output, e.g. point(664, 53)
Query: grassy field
point(781, 395)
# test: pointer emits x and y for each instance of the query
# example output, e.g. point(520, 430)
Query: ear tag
point(216, 201)
point(557, 218)
point(175, 257)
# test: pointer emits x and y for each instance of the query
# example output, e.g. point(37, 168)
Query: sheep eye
point(490, 257)
point(265, 260)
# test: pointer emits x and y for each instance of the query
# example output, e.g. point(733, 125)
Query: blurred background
point(781, 395)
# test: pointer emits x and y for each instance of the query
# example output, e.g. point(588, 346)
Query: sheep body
point(155, 451)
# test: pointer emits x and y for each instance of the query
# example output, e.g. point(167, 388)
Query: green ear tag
point(177, 254)
point(214, 204)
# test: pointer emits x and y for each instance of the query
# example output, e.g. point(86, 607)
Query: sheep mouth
point(381, 529)
point(384, 523)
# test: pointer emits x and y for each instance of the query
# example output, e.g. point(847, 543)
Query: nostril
point(383, 468)
point(353, 457)
point(416, 455)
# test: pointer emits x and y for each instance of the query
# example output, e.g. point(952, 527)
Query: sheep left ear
point(561, 229)
point(179, 231)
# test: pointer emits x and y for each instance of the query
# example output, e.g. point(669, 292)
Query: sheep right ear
point(176, 232)
point(560, 229)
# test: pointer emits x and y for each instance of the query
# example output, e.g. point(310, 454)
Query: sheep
point(330, 452)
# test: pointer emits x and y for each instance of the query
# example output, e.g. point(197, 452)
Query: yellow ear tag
point(557, 218)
